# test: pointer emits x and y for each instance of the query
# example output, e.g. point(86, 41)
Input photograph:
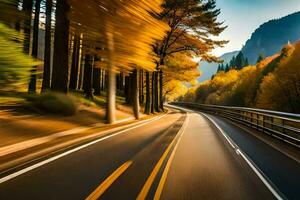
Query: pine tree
point(227, 68)
point(246, 62)
point(231, 63)
point(260, 58)
point(219, 68)
point(240, 61)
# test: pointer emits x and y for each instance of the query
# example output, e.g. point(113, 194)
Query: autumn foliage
point(273, 84)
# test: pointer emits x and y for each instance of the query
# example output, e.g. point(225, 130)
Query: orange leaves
point(129, 24)
point(280, 90)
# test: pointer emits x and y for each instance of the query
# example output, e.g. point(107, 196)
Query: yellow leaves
point(280, 90)
point(174, 89)
point(180, 66)
point(130, 25)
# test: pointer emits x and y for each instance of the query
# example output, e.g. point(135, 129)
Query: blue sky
point(244, 16)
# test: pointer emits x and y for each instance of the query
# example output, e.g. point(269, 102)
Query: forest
point(272, 84)
point(137, 53)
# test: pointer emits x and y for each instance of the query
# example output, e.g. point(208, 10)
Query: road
point(181, 155)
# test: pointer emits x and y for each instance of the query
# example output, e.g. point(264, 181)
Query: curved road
point(178, 156)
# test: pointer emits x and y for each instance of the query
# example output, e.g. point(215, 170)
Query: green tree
point(240, 61)
point(260, 58)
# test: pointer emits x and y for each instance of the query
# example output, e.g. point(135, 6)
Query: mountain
point(269, 38)
point(209, 69)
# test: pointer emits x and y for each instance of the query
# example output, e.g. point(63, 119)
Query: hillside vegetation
point(274, 84)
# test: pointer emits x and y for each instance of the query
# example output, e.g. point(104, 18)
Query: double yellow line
point(145, 190)
point(98, 192)
point(108, 181)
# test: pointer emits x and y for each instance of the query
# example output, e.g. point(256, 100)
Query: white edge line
point(39, 164)
point(238, 151)
point(249, 162)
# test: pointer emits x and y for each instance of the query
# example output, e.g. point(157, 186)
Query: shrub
point(54, 103)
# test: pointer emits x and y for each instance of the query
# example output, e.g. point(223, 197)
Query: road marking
point(39, 164)
point(108, 181)
point(145, 190)
point(248, 161)
point(168, 165)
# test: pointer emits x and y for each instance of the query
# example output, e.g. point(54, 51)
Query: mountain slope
point(271, 36)
point(209, 69)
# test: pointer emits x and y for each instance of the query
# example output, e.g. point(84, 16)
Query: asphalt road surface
point(178, 156)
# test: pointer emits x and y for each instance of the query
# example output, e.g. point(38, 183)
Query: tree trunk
point(126, 88)
point(156, 100)
point(135, 94)
point(161, 98)
point(60, 60)
point(121, 81)
point(88, 77)
point(27, 9)
point(47, 52)
point(148, 98)
point(152, 92)
point(35, 45)
point(103, 80)
point(111, 96)
point(81, 73)
point(75, 63)
point(129, 90)
point(142, 85)
point(96, 81)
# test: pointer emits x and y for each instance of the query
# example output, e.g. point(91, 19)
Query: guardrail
point(284, 126)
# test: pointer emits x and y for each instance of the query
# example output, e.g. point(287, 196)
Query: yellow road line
point(168, 165)
point(108, 181)
point(145, 190)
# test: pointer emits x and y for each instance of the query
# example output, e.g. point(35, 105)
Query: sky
point(243, 17)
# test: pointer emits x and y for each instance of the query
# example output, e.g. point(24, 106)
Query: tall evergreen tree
point(219, 68)
point(232, 62)
point(240, 61)
point(246, 62)
point(260, 58)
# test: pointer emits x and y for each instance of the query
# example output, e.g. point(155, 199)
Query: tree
point(27, 10)
point(135, 88)
point(219, 68)
point(148, 97)
point(231, 63)
point(47, 51)
point(246, 62)
point(32, 82)
point(88, 76)
point(240, 61)
point(61, 48)
point(260, 58)
point(191, 22)
point(75, 63)
point(121, 52)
